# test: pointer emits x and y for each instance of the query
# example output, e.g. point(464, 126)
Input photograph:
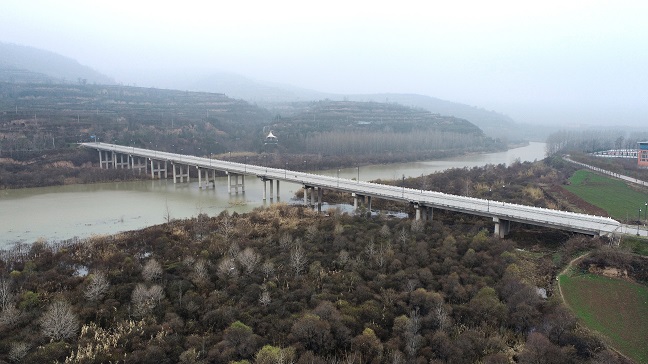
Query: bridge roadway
point(502, 213)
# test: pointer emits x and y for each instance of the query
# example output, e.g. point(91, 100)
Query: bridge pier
point(105, 159)
point(502, 227)
point(271, 190)
point(121, 163)
point(200, 178)
point(179, 173)
point(158, 170)
point(139, 166)
point(305, 195)
point(234, 183)
point(278, 198)
point(319, 199)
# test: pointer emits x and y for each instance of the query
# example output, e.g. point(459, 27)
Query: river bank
point(63, 212)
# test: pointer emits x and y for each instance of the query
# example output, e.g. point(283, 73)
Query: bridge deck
point(564, 220)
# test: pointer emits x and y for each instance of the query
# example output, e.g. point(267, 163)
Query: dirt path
point(562, 297)
point(564, 271)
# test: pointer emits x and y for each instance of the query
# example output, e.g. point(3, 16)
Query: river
point(62, 212)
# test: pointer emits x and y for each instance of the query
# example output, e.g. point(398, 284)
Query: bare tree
point(167, 212)
point(370, 250)
point(59, 322)
point(249, 259)
point(145, 300)
point(268, 269)
point(233, 250)
point(9, 317)
point(384, 232)
point(285, 241)
point(18, 351)
point(152, 270)
point(97, 287)
point(226, 227)
point(403, 236)
point(227, 267)
point(264, 298)
point(200, 271)
point(338, 229)
point(417, 226)
point(201, 227)
point(6, 296)
point(298, 259)
point(311, 232)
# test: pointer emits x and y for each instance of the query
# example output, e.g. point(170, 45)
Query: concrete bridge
point(157, 163)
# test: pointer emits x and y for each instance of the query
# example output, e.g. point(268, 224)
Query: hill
point(27, 64)
point(347, 128)
point(491, 122)
point(274, 95)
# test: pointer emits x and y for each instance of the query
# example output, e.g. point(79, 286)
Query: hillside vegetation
point(39, 119)
point(284, 282)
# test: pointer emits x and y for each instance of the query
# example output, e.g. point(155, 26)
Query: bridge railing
point(434, 198)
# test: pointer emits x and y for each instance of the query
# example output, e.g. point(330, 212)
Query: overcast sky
point(542, 61)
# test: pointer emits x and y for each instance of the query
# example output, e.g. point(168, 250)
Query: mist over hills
point(273, 95)
point(23, 64)
point(27, 64)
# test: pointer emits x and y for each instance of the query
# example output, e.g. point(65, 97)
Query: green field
point(616, 308)
point(610, 194)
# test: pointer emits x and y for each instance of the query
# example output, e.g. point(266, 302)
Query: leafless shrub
point(384, 232)
point(200, 271)
point(264, 298)
point(227, 267)
point(285, 241)
point(233, 250)
point(145, 300)
point(152, 271)
point(18, 351)
point(6, 296)
point(417, 226)
point(97, 287)
point(249, 259)
point(59, 322)
point(338, 229)
point(9, 317)
point(311, 232)
point(298, 259)
point(268, 269)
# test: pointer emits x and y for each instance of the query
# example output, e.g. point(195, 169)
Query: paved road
point(613, 174)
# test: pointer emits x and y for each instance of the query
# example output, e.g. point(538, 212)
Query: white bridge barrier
point(499, 211)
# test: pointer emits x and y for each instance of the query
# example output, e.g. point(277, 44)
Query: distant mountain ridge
point(271, 95)
point(24, 64)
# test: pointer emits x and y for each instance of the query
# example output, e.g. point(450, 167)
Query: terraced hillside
point(348, 127)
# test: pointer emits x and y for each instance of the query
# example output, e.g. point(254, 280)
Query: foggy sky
point(565, 62)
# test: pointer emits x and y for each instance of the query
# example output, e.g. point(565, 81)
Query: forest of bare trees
point(588, 141)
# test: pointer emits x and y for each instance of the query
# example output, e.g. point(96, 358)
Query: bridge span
point(424, 202)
